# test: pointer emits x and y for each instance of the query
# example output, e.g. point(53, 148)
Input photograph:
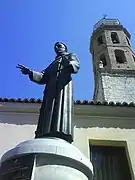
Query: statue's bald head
point(60, 47)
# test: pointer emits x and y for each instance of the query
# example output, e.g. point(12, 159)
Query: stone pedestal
point(45, 159)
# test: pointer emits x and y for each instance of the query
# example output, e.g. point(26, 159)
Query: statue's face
point(60, 48)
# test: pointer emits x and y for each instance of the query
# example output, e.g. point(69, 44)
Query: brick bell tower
point(113, 62)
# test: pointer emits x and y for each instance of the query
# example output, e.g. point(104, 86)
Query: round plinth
point(54, 159)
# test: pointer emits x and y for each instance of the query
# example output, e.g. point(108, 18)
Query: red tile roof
point(77, 102)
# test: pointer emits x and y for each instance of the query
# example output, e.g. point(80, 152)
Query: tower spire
point(104, 16)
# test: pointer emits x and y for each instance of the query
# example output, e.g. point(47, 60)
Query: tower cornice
point(103, 27)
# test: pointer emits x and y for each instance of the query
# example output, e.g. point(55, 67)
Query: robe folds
point(56, 109)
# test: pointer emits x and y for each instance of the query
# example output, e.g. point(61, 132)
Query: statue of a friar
point(55, 111)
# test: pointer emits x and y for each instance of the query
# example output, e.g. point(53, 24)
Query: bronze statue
point(55, 112)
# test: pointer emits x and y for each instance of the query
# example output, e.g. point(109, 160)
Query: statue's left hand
point(66, 61)
point(23, 69)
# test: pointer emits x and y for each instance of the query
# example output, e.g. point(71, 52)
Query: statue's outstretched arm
point(37, 77)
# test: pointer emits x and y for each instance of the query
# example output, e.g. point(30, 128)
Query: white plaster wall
point(15, 128)
point(11, 135)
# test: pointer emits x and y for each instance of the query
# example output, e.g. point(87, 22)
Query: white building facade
point(108, 125)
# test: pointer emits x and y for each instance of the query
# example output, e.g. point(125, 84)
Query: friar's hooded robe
point(55, 112)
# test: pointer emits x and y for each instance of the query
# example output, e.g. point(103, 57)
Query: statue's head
point(60, 47)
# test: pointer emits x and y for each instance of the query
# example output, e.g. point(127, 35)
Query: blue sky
point(29, 29)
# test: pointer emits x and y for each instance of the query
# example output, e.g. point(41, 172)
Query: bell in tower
point(113, 62)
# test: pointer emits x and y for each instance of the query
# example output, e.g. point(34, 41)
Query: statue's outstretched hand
point(23, 69)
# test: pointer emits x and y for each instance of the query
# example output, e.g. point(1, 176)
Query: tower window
point(115, 38)
point(103, 59)
point(110, 162)
point(120, 56)
point(100, 40)
point(128, 41)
